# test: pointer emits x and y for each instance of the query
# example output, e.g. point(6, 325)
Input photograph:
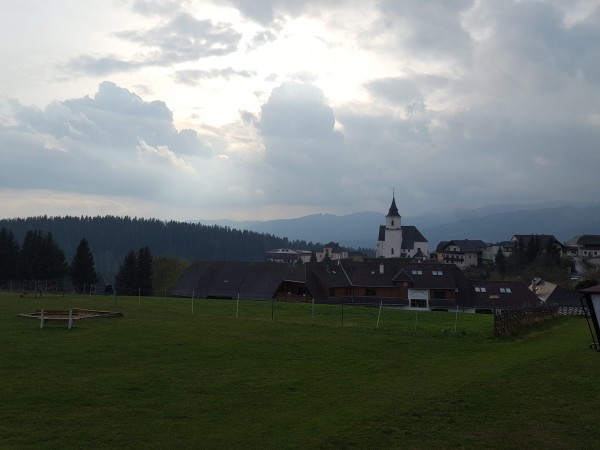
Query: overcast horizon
point(260, 110)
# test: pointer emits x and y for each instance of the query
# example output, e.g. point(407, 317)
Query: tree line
point(40, 258)
point(112, 237)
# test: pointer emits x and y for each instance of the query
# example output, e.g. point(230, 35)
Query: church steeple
point(393, 212)
point(392, 218)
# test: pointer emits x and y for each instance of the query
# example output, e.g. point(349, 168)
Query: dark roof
point(543, 239)
point(261, 281)
point(591, 290)
point(465, 245)
point(589, 239)
point(509, 293)
point(410, 235)
point(381, 237)
point(393, 212)
point(564, 297)
point(229, 278)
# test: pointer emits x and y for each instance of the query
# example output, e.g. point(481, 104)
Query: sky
point(272, 109)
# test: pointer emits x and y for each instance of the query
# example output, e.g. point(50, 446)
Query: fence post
point(379, 315)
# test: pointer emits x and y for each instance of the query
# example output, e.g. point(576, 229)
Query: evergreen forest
point(111, 238)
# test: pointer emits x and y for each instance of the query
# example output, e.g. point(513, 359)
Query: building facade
point(397, 241)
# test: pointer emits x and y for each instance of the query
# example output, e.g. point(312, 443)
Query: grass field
point(280, 377)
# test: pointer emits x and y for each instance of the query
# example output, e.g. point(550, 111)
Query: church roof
point(410, 235)
point(393, 212)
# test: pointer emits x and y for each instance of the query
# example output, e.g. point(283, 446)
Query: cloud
point(114, 143)
point(193, 77)
point(297, 111)
point(182, 38)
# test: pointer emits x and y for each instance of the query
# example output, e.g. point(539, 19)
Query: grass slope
point(162, 377)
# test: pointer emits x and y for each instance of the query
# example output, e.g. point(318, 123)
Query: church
point(397, 241)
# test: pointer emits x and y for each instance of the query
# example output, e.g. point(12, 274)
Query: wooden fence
point(506, 321)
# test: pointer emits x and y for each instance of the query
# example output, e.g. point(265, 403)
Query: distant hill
point(491, 224)
point(352, 230)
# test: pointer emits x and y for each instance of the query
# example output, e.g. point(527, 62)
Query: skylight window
point(505, 291)
point(437, 272)
point(480, 289)
point(417, 272)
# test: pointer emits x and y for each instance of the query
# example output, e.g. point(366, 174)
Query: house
point(464, 253)
point(331, 252)
point(404, 284)
point(543, 242)
point(542, 289)
point(400, 241)
point(584, 246)
point(568, 301)
point(289, 256)
point(505, 247)
point(487, 296)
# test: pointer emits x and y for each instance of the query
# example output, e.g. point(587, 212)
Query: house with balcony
point(584, 246)
point(464, 253)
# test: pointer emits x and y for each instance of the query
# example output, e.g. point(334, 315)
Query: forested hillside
point(111, 238)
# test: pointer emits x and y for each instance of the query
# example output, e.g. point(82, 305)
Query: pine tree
point(500, 261)
point(126, 278)
point(83, 272)
point(40, 257)
point(9, 255)
point(144, 271)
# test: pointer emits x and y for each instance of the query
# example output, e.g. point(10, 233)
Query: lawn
point(280, 376)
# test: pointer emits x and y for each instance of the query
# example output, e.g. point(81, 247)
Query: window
point(392, 250)
point(417, 272)
point(505, 291)
point(371, 292)
point(480, 289)
point(437, 272)
point(439, 294)
point(392, 223)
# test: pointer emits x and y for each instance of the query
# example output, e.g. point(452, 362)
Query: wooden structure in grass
point(69, 316)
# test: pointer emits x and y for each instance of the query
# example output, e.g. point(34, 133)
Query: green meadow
point(172, 373)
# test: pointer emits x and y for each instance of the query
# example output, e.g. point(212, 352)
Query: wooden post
point(70, 319)
point(42, 319)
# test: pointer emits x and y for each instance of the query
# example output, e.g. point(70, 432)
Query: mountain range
point(491, 224)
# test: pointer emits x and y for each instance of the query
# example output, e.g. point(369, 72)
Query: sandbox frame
point(70, 315)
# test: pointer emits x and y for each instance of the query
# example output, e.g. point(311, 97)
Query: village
point(404, 273)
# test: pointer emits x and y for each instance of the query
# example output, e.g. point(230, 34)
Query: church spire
point(393, 212)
